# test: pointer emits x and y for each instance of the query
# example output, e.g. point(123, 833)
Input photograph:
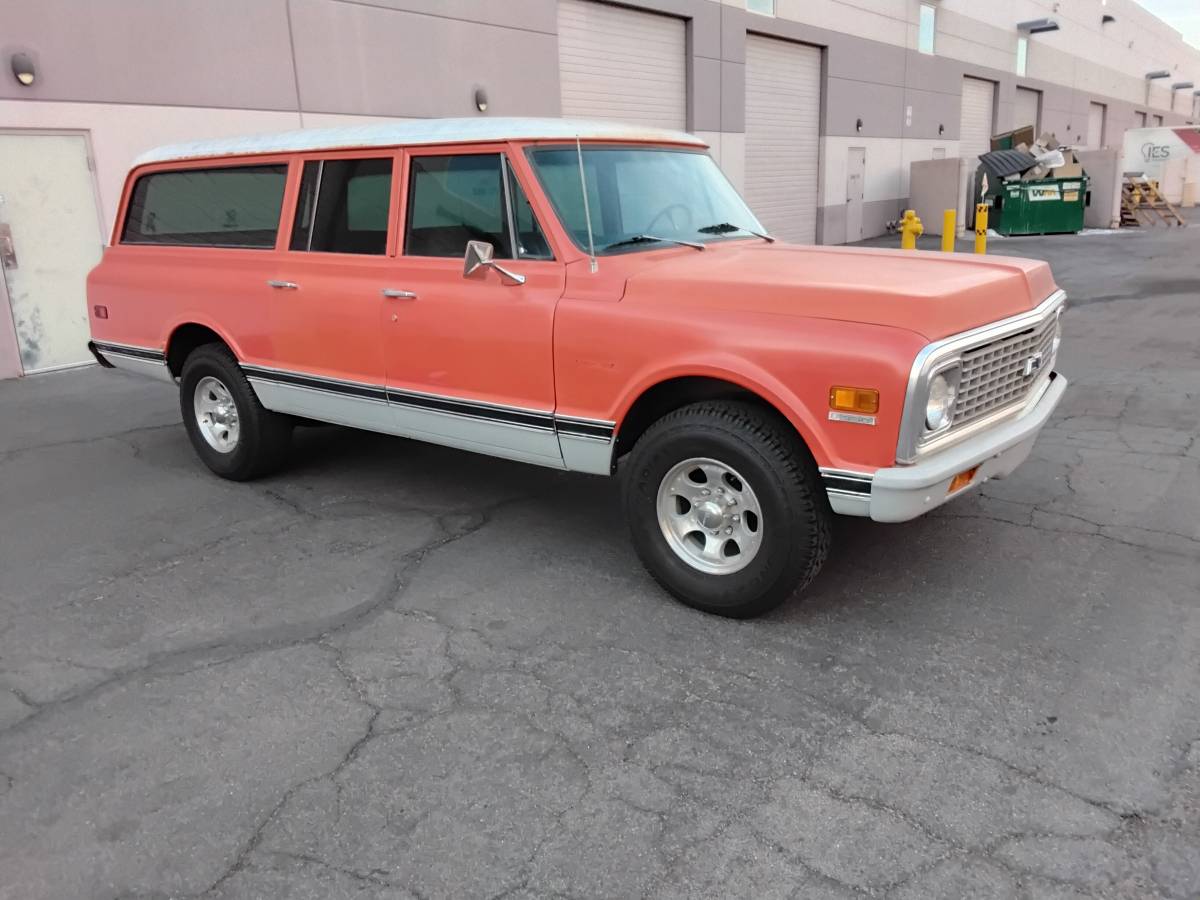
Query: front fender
point(609, 355)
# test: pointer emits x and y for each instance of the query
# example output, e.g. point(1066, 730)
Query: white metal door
point(1027, 108)
point(50, 215)
point(856, 176)
point(1095, 132)
point(783, 106)
point(624, 64)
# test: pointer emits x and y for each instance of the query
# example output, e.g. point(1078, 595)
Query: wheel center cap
point(710, 514)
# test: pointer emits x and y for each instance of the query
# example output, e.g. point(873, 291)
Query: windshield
point(642, 198)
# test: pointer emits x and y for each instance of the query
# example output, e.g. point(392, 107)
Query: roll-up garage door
point(975, 135)
point(623, 64)
point(1027, 109)
point(783, 107)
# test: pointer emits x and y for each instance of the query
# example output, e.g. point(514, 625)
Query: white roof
point(417, 131)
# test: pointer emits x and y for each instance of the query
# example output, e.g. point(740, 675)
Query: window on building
point(343, 206)
point(1022, 55)
point(1158, 120)
point(235, 206)
point(927, 28)
point(766, 7)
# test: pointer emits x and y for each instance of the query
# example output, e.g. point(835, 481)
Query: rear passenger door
point(326, 296)
point(469, 359)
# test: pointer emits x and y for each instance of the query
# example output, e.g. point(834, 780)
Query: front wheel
point(726, 508)
point(231, 431)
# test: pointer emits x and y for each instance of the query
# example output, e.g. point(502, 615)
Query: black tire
point(263, 436)
point(796, 517)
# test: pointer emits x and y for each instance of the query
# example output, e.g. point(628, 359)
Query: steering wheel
point(668, 213)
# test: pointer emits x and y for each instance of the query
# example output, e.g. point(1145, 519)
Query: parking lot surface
point(399, 671)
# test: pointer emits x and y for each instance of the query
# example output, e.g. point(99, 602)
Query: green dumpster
point(1047, 206)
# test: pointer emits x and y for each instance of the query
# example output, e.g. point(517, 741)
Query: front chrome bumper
point(900, 493)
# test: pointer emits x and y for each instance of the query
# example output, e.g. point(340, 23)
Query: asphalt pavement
point(399, 671)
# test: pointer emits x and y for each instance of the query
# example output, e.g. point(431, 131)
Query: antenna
point(587, 213)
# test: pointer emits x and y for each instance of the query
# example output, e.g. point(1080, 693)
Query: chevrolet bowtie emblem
point(1033, 364)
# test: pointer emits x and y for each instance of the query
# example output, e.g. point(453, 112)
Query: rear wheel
point(726, 508)
point(231, 431)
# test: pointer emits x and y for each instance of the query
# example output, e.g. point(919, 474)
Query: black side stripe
point(346, 388)
point(505, 415)
point(848, 485)
point(134, 352)
point(580, 428)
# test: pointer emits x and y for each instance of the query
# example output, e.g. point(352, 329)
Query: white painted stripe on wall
point(888, 165)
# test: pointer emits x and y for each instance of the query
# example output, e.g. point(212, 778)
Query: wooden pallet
point(1142, 204)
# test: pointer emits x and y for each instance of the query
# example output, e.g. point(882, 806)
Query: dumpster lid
point(1001, 163)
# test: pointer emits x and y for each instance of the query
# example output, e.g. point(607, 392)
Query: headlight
point(939, 409)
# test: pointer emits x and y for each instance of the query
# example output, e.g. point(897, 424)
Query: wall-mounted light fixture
point(1158, 73)
point(1106, 19)
point(858, 125)
point(941, 129)
point(481, 101)
point(1181, 86)
point(1037, 26)
point(23, 70)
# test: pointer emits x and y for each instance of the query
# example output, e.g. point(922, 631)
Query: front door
point(469, 359)
point(49, 241)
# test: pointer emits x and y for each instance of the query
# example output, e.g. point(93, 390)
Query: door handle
point(393, 294)
point(282, 285)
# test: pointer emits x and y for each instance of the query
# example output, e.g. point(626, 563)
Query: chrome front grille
point(1003, 372)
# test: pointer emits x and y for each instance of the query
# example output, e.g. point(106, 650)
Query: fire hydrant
point(910, 229)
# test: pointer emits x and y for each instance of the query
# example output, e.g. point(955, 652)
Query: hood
point(930, 293)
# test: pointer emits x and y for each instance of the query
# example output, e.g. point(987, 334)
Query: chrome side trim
point(908, 449)
point(490, 438)
point(139, 360)
point(845, 481)
point(845, 504)
point(533, 435)
point(586, 454)
point(150, 353)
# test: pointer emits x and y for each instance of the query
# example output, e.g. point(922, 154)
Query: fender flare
point(742, 374)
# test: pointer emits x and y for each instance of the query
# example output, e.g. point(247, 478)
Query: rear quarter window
point(233, 206)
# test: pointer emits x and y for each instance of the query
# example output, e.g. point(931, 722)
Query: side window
point(235, 206)
point(343, 206)
point(455, 199)
point(531, 242)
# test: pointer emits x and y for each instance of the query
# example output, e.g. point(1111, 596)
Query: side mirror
point(479, 256)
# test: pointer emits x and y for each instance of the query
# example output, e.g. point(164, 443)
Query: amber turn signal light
point(962, 479)
point(852, 399)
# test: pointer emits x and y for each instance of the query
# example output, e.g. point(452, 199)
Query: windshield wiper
point(729, 228)
point(646, 238)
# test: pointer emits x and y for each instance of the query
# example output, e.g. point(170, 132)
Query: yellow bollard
point(910, 229)
point(981, 217)
point(949, 226)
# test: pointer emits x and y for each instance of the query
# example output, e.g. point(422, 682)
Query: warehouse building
point(814, 108)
